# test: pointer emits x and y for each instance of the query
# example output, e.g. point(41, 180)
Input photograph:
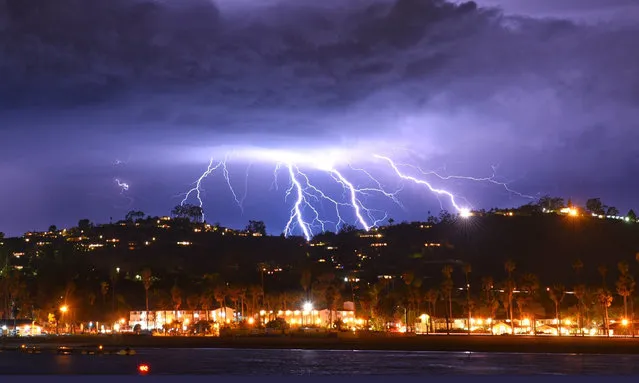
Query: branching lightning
point(309, 200)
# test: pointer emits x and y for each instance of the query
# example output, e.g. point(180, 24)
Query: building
point(157, 319)
point(20, 327)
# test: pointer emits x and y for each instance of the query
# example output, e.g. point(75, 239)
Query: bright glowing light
point(122, 185)
point(308, 306)
point(624, 322)
point(144, 368)
point(64, 308)
point(309, 200)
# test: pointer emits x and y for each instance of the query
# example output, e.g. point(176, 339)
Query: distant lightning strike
point(305, 213)
point(419, 181)
point(197, 189)
point(122, 185)
point(490, 179)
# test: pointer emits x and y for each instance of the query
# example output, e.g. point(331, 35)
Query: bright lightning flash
point(122, 185)
point(305, 216)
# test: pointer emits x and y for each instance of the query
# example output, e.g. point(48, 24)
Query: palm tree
point(447, 291)
point(509, 266)
point(255, 292)
point(220, 296)
point(234, 297)
point(557, 294)
point(467, 270)
point(306, 281)
point(605, 300)
point(603, 270)
point(104, 290)
point(431, 297)
point(176, 297)
point(578, 266)
point(625, 285)
point(580, 294)
point(146, 282)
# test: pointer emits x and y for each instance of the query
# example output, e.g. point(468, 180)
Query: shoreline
point(434, 343)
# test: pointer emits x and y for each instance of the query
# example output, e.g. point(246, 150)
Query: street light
point(308, 307)
point(63, 310)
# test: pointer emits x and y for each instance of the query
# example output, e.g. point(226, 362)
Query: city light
point(144, 369)
point(308, 306)
point(64, 309)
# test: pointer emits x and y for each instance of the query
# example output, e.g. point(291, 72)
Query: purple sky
point(147, 91)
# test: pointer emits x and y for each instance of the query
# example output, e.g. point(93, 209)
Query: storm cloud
point(551, 100)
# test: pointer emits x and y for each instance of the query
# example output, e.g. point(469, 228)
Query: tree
point(612, 211)
point(104, 290)
point(146, 282)
point(176, 297)
point(431, 297)
point(510, 266)
point(594, 206)
point(447, 292)
point(85, 224)
point(134, 215)
point(306, 281)
point(605, 300)
point(467, 270)
point(53, 228)
point(580, 294)
point(603, 271)
point(625, 285)
point(347, 229)
point(256, 227)
point(632, 216)
point(188, 211)
point(551, 203)
point(557, 294)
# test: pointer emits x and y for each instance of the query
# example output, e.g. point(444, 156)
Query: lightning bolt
point(440, 192)
point(197, 188)
point(309, 199)
point(490, 179)
point(296, 211)
point(122, 185)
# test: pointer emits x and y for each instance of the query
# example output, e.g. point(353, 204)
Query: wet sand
point(524, 344)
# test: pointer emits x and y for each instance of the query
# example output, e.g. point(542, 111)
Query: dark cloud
point(456, 82)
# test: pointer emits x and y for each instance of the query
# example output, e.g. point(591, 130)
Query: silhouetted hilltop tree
point(551, 203)
point(256, 227)
point(188, 211)
point(595, 206)
point(134, 215)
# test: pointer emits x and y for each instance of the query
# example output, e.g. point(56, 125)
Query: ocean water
point(242, 362)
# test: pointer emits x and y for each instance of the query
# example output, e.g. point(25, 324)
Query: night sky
point(146, 92)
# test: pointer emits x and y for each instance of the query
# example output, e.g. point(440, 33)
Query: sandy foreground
point(525, 344)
